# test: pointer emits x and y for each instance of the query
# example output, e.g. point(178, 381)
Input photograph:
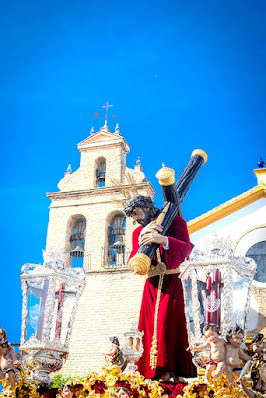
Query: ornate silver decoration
point(55, 257)
point(133, 348)
point(263, 368)
point(196, 305)
point(211, 307)
point(50, 299)
point(236, 280)
point(228, 298)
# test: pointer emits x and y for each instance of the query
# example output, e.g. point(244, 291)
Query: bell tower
point(88, 224)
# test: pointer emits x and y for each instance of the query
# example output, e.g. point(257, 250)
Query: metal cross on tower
point(106, 106)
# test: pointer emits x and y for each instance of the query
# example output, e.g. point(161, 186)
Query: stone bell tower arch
point(84, 219)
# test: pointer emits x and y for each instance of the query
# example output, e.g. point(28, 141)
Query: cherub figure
point(2, 334)
point(120, 392)
point(116, 354)
point(216, 364)
point(256, 350)
point(8, 361)
point(67, 391)
point(233, 352)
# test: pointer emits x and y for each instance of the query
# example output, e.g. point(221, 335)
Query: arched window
point(258, 253)
point(116, 246)
point(100, 170)
point(77, 241)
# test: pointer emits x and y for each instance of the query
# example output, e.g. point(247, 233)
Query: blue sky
point(181, 75)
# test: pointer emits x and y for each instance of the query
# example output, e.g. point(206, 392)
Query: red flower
point(50, 394)
point(99, 387)
point(122, 383)
point(202, 386)
point(172, 389)
point(134, 393)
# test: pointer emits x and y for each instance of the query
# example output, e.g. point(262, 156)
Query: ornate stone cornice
point(103, 191)
point(103, 140)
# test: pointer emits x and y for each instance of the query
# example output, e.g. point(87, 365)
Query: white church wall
point(253, 314)
point(250, 238)
point(234, 224)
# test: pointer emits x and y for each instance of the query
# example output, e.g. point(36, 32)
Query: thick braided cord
point(160, 270)
point(154, 344)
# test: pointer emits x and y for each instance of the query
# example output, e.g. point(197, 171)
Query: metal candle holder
point(217, 288)
point(133, 348)
point(50, 298)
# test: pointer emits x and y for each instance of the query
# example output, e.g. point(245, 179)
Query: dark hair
point(257, 337)
point(236, 329)
point(141, 201)
point(123, 389)
point(115, 340)
point(4, 343)
point(68, 386)
point(4, 332)
point(211, 326)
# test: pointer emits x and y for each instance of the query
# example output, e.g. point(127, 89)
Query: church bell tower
point(88, 224)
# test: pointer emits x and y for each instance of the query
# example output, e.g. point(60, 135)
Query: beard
point(146, 220)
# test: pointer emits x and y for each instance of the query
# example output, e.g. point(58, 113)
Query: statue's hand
point(151, 234)
point(153, 237)
point(151, 227)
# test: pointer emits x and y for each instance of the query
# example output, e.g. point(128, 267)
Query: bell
point(78, 250)
point(118, 239)
point(101, 176)
point(118, 247)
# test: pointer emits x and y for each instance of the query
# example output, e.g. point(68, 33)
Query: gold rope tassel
point(154, 345)
point(153, 353)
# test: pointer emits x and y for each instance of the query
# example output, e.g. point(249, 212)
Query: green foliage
point(59, 380)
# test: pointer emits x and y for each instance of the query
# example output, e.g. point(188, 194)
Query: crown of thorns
point(138, 201)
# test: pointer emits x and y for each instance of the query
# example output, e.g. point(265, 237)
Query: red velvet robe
point(172, 332)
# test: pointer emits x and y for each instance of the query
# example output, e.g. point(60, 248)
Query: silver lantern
point(217, 288)
point(263, 368)
point(133, 348)
point(50, 298)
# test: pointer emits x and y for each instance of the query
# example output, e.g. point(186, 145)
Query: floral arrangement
point(100, 386)
point(220, 388)
point(104, 385)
